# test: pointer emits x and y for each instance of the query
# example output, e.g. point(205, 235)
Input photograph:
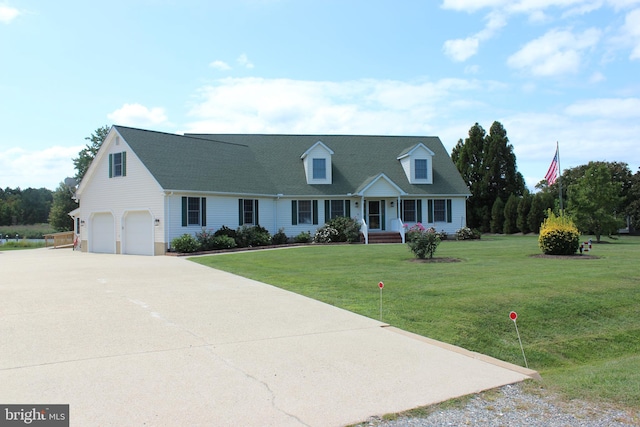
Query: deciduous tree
point(594, 201)
point(87, 154)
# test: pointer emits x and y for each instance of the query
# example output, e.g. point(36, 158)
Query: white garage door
point(102, 238)
point(138, 233)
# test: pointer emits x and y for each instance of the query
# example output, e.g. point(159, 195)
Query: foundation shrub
point(250, 236)
point(185, 244)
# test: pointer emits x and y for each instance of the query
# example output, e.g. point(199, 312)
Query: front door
point(375, 213)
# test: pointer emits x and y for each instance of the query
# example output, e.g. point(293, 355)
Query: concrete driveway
point(133, 341)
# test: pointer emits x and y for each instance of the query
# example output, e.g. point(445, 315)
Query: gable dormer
point(317, 164)
point(417, 163)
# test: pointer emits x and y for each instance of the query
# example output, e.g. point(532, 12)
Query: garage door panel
point(103, 236)
point(138, 233)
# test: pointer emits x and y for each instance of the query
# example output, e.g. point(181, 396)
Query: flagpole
point(559, 178)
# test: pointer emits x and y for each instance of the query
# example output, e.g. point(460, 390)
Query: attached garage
point(102, 233)
point(138, 233)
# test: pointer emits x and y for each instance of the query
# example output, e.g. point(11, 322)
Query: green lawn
point(579, 318)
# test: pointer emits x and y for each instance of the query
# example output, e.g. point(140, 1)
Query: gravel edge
point(514, 405)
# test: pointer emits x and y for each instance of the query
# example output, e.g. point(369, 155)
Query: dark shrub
point(280, 238)
point(224, 242)
point(225, 231)
point(304, 237)
point(247, 236)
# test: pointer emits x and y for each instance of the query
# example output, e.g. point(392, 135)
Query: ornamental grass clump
point(558, 235)
point(422, 241)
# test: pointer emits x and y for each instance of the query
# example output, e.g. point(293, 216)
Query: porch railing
point(365, 232)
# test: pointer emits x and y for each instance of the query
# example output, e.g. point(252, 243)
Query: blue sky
point(548, 70)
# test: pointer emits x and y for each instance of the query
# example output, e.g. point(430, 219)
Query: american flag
point(552, 173)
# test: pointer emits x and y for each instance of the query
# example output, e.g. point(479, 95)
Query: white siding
point(458, 215)
point(138, 190)
point(381, 188)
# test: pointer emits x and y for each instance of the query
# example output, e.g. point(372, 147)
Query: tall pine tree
point(488, 166)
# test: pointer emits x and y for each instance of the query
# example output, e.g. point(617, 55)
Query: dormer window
point(319, 169)
point(417, 163)
point(420, 168)
point(317, 164)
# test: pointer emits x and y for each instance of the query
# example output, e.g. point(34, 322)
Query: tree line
point(602, 197)
point(23, 207)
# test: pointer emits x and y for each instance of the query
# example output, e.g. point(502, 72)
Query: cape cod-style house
point(145, 188)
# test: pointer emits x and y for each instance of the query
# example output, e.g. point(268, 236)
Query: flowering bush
point(558, 235)
point(422, 241)
point(465, 233)
point(326, 234)
point(348, 229)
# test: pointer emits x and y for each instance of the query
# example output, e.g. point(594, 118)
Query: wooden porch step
point(384, 237)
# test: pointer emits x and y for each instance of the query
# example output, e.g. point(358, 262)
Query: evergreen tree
point(488, 166)
point(497, 216)
point(511, 215)
point(524, 207)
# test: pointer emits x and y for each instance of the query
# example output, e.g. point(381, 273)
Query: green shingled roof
point(271, 164)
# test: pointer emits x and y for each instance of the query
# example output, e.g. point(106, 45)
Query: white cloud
point(32, 168)
point(243, 61)
point(556, 52)
point(8, 13)
point(606, 107)
point(360, 106)
point(220, 65)
point(138, 115)
point(462, 49)
point(631, 32)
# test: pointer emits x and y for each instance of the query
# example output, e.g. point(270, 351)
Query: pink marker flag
point(552, 173)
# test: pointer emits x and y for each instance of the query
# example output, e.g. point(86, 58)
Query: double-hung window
point(421, 169)
point(336, 209)
point(248, 211)
point(439, 211)
point(194, 211)
point(118, 164)
point(409, 211)
point(319, 169)
point(304, 212)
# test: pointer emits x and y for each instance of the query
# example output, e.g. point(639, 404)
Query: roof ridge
point(184, 135)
